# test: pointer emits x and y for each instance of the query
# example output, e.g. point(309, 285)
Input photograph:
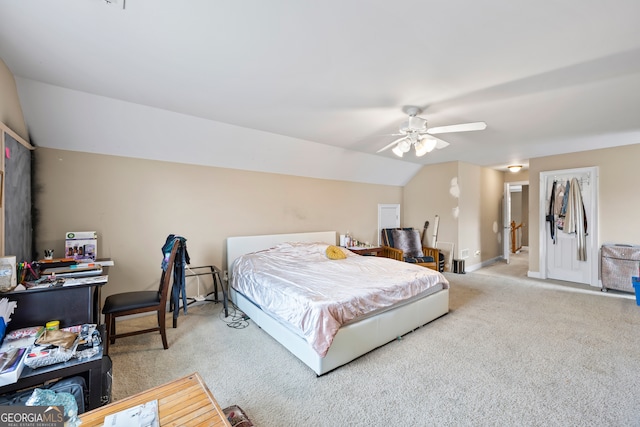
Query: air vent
point(464, 254)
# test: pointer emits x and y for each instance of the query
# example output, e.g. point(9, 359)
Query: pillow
point(334, 252)
point(409, 242)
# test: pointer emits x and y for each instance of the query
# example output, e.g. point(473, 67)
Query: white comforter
point(299, 285)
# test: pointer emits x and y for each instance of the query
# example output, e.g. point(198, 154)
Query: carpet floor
point(512, 351)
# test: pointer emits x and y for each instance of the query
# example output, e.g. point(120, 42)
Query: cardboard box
point(81, 245)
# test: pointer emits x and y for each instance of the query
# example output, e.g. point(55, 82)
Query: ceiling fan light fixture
point(404, 146)
point(514, 168)
point(421, 149)
point(429, 144)
point(397, 151)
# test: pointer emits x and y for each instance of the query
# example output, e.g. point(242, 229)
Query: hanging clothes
point(576, 219)
point(551, 214)
point(561, 195)
point(565, 199)
point(182, 258)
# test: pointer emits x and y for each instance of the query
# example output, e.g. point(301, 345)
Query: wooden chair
point(395, 250)
point(127, 303)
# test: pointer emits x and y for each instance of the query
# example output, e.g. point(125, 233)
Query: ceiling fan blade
point(463, 127)
point(440, 143)
point(386, 147)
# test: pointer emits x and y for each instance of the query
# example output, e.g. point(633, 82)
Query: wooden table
point(184, 402)
point(360, 250)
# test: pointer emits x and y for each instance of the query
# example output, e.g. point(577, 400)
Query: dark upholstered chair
point(127, 303)
point(405, 244)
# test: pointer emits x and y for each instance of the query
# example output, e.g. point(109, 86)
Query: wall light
point(514, 168)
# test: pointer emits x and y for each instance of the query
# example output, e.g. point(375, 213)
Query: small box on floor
point(81, 245)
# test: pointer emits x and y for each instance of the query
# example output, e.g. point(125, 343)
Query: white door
point(388, 217)
point(506, 226)
point(559, 257)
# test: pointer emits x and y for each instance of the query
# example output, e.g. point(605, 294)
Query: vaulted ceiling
point(331, 77)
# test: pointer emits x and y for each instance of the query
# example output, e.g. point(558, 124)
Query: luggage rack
point(215, 274)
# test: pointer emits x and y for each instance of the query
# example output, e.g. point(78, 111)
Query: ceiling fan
point(414, 132)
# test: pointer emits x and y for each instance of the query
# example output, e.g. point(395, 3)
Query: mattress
point(297, 284)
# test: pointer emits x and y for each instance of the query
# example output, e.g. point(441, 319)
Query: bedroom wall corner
point(429, 193)
point(469, 214)
point(10, 107)
point(491, 233)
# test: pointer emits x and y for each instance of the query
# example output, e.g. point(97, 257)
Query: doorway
point(559, 250)
point(388, 217)
point(515, 208)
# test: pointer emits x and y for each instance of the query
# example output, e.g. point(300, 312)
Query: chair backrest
point(165, 279)
point(387, 236)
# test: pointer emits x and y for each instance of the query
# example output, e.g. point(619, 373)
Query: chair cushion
point(130, 301)
point(409, 242)
point(387, 236)
point(419, 260)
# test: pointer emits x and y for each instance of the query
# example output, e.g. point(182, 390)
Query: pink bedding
point(300, 286)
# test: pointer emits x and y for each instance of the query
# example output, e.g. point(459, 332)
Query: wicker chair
point(403, 247)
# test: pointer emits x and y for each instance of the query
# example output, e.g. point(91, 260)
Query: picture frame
point(447, 249)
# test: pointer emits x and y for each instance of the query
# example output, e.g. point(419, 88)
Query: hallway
point(518, 266)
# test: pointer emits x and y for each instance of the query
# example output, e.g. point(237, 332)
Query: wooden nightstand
point(366, 251)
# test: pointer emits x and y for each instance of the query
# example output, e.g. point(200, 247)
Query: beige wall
point(492, 192)
point(525, 215)
point(467, 199)
point(470, 213)
point(134, 204)
point(428, 195)
point(10, 109)
point(618, 201)
point(520, 176)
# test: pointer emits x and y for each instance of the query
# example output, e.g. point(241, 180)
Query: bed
point(359, 331)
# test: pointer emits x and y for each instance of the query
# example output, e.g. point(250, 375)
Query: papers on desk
point(145, 415)
point(50, 281)
point(91, 280)
point(78, 270)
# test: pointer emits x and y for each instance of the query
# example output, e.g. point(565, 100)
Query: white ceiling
point(546, 77)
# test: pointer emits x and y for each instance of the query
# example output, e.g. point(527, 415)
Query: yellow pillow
point(334, 252)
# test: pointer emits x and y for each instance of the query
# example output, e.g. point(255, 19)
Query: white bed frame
point(352, 340)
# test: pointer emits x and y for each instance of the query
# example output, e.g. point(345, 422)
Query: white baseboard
point(534, 274)
point(483, 264)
